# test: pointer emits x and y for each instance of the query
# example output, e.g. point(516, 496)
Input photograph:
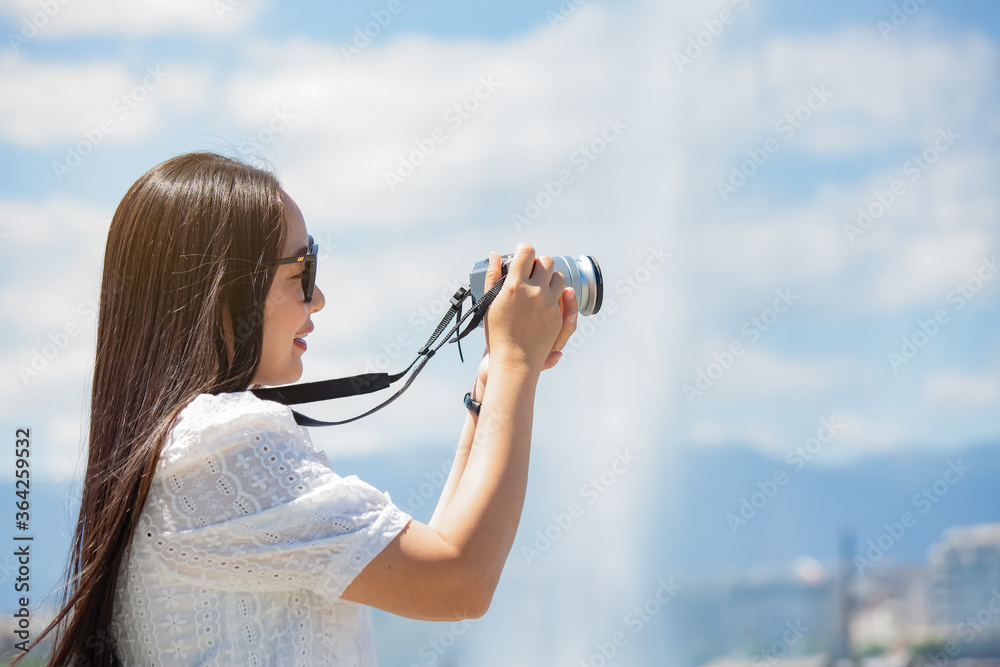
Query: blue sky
point(389, 253)
point(351, 118)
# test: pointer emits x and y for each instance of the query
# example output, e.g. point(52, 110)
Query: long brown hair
point(187, 268)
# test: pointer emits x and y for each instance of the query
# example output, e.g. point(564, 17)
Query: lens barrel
point(583, 274)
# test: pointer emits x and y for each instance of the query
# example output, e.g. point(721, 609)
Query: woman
point(210, 530)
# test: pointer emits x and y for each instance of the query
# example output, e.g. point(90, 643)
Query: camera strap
point(366, 383)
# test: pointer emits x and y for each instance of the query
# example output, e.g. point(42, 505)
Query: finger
point(493, 271)
point(521, 263)
point(541, 272)
point(551, 360)
point(570, 316)
point(569, 304)
point(558, 281)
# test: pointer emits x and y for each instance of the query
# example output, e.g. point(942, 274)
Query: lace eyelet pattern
point(246, 542)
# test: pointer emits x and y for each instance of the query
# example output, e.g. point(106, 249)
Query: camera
point(583, 274)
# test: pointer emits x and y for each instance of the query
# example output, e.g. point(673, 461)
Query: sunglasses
point(309, 268)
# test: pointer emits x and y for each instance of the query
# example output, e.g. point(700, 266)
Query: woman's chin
point(291, 373)
point(294, 373)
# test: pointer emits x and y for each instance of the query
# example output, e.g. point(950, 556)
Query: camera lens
point(584, 276)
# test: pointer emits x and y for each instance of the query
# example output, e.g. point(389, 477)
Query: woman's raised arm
point(449, 570)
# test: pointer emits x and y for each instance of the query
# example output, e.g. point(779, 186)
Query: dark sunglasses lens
point(308, 278)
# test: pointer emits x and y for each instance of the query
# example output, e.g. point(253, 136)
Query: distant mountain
point(807, 512)
point(803, 517)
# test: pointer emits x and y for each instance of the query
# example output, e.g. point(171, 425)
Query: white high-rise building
point(964, 580)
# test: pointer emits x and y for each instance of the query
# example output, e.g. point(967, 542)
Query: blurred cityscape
point(864, 611)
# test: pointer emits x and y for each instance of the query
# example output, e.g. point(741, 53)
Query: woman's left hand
point(569, 313)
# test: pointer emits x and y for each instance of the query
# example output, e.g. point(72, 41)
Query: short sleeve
point(242, 501)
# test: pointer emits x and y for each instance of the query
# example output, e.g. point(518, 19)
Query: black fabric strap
point(304, 420)
point(480, 307)
point(311, 392)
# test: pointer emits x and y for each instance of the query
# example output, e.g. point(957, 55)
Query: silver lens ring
point(590, 273)
point(570, 269)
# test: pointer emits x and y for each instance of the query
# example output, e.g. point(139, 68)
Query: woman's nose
point(318, 300)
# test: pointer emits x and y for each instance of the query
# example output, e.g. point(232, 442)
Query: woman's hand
point(569, 314)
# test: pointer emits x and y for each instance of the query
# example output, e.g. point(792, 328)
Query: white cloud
point(348, 122)
point(760, 436)
point(764, 374)
point(51, 281)
point(924, 270)
point(61, 18)
point(963, 391)
point(95, 103)
point(353, 120)
point(881, 96)
point(69, 234)
point(33, 110)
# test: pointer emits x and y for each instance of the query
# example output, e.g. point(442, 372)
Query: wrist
point(478, 388)
point(516, 365)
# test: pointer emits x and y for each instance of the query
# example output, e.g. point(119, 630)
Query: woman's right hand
point(533, 316)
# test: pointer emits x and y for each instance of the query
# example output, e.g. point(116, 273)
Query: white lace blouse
point(245, 544)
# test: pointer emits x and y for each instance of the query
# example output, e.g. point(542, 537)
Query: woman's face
point(286, 315)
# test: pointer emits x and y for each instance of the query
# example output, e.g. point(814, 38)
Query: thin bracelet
point(473, 406)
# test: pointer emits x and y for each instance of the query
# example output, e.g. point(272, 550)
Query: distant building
point(964, 581)
point(806, 661)
point(763, 615)
point(891, 609)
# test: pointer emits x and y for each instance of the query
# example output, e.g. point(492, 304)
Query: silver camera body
point(583, 274)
